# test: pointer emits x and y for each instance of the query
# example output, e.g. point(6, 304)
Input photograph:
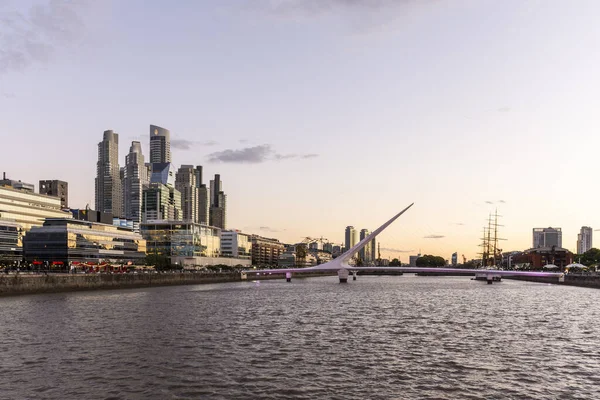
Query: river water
point(403, 337)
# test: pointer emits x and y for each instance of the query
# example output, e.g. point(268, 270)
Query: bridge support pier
point(353, 275)
point(490, 279)
point(343, 275)
point(288, 276)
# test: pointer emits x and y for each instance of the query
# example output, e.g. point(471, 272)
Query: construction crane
point(464, 259)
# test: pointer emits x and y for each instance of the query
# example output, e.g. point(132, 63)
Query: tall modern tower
point(350, 237)
point(109, 194)
point(584, 239)
point(218, 206)
point(185, 182)
point(203, 198)
point(135, 179)
point(160, 145)
point(366, 252)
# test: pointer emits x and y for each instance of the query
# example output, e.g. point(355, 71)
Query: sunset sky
point(323, 113)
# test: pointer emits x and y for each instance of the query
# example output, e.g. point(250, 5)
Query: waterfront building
point(11, 243)
point(187, 243)
point(547, 237)
point(203, 198)
point(454, 259)
point(160, 145)
point(186, 183)
point(56, 188)
point(218, 203)
point(161, 202)
point(23, 186)
point(412, 260)
point(584, 239)
point(135, 179)
point(61, 241)
point(266, 251)
point(537, 258)
point(236, 244)
point(350, 236)
point(328, 247)
point(28, 209)
point(109, 193)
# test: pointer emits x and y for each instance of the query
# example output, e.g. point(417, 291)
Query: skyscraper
point(160, 145)
point(350, 237)
point(185, 182)
point(547, 237)
point(218, 206)
point(135, 179)
point(203, 199)
point(109, 194)
point(56, 188)
point(365, 253)
point(584, 239)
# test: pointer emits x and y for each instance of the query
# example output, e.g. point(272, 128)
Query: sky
point(320, 114)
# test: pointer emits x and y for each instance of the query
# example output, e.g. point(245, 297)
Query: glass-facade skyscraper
point(109, 193)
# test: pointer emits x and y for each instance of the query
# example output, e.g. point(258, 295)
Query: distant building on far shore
point(547, 237)
point(412, 260)
point(454, 259)
point(584, 239)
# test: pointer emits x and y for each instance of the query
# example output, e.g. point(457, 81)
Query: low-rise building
point(536, 258)
point(61, 241)
point(266, 251)
point(187, 243)
point(11, 244)
point(236, 244)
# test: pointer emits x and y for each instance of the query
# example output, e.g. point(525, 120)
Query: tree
point(159, 262)
point(395, 263)
point(430, 261)
point(590, 257)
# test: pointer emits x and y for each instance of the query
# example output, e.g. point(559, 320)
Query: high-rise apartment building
point(218, 204)
point(584, 239)
point(185, 182)
point(56, 188)
point(161, 202)
point(135, 179)
point(160, 145)
point(350, 236)
point(547, 237)
point(109, 193)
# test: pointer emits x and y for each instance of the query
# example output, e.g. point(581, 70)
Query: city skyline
point(345, 119)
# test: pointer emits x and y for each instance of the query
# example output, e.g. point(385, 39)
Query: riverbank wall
point(16, 284)
point(591, 281)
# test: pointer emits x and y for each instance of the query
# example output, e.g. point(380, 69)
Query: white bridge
point(344, 269)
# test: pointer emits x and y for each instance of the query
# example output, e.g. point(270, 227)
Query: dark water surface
point(377, 338)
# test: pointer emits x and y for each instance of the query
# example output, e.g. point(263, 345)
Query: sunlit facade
point(181, 239)
point(64, 241)
point(236, 244)
point(28, 209)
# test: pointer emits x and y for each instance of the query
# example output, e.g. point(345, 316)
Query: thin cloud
point(458, 223)
point(210, 143)
point(181, 144)
point(504, 109)
point(502, 201)
point(489, 202)
point(251, 155)
point(312, 155)
point(434, 237)
point(244, 141)
point(315, 7)
point(35, 36)
point(268, 229)
point(8, 95)
point(391, 250)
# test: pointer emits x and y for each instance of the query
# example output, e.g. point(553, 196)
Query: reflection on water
point(376, 338)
